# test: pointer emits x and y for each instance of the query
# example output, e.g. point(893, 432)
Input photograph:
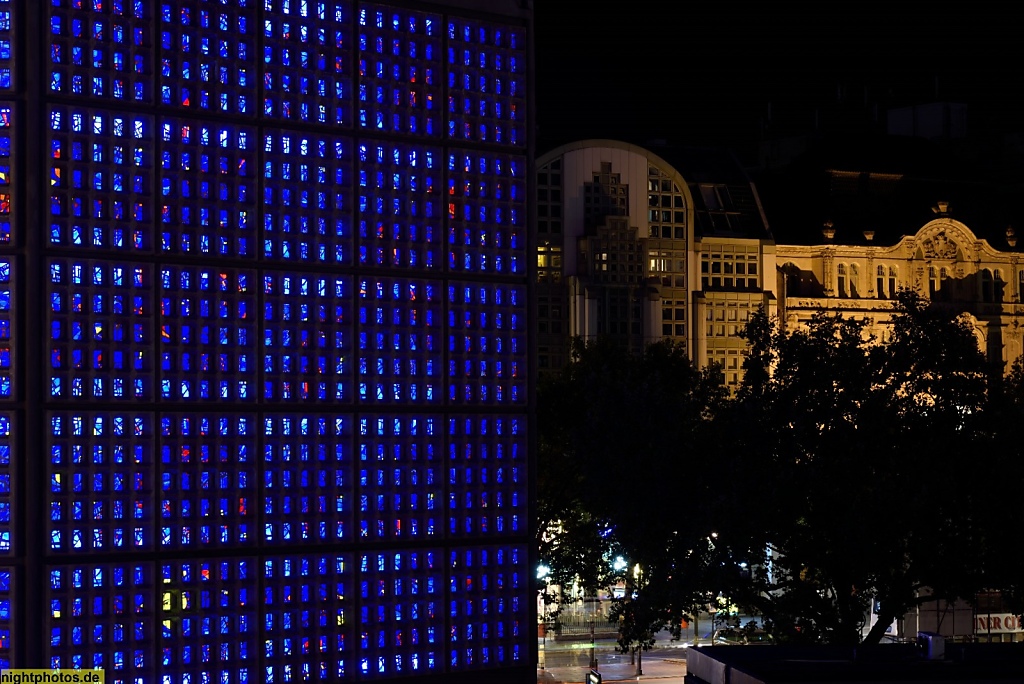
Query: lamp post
point(637, 574)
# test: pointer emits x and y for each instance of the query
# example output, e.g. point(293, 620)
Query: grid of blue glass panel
point(7, 592)
point(6, 46)
point(486, 344)
point(6, 154)
point(400, 70)
point(399, 343)
point(486, 606)
point(307, 72)
point(208, 334)
point(208, 480)
point(401, 613)
point(209, 629)
point(7, 314)
point(207, 188)
point(7, 480)
point(486, 476)
point(486, 93)
point(101, 616)
point(101, 168)
point(100, 481)
point(399, 212)
point(307, 619)
point(99, 325)
point(306, 488)
point(101, 50)
point(486, 222)
point(400, 486)
point(307, 197)
point(307, 333)
point(208, 55)
point(292, 275)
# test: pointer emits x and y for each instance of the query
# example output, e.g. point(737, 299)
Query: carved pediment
point(939, 246)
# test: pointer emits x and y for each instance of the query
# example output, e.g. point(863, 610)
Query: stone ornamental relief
point(939, 246)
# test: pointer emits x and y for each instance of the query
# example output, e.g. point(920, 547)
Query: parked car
point(731, 636)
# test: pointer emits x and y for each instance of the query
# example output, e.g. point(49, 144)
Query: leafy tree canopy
point(868, 457)
point(846, 470)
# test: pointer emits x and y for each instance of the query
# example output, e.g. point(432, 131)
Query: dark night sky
point(703, 73)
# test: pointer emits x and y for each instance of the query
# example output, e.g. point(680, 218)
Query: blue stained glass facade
point(307, 198)
point(7, 316)
point(6, 154)
point(7, 593)
point(399, 346)
point(101, 50)
point(269, 338)
point(486, 344)
point(99, 330)
point(208, 335)
point(307, 618)
point(306, 483)
point(307, 62)
point(100, 482)
point(207, 189)
point(7, 482)
point(400, 71)
point(399, 217)
point(486, 224)
point(307, 334)
point(209, 620)
point(400, 486)
point(208, 481)
point(486, 476)
point(7, 46)
point(101, 615)
point(101, 174)
point(208, 55)
point(486, 93)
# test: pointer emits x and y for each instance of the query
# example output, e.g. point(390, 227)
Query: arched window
point(987, 294)
point(880, 290)
point(841, 280)
point(999, 286)
point(933, 282)
point(854, 280)
point(893, 278)
point(1020, 286)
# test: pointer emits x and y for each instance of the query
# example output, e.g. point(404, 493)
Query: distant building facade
point(630, 246)
point(944, 260)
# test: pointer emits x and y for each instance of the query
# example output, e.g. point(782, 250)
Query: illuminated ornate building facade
point(944, 260)
point(264, 396)
point(636, 248)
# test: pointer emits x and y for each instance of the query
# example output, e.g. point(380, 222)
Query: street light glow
point(619, 564)
point(543, 571)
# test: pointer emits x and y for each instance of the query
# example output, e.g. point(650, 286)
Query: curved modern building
point(639, 248)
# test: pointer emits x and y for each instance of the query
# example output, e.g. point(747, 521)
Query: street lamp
point(637, 575)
